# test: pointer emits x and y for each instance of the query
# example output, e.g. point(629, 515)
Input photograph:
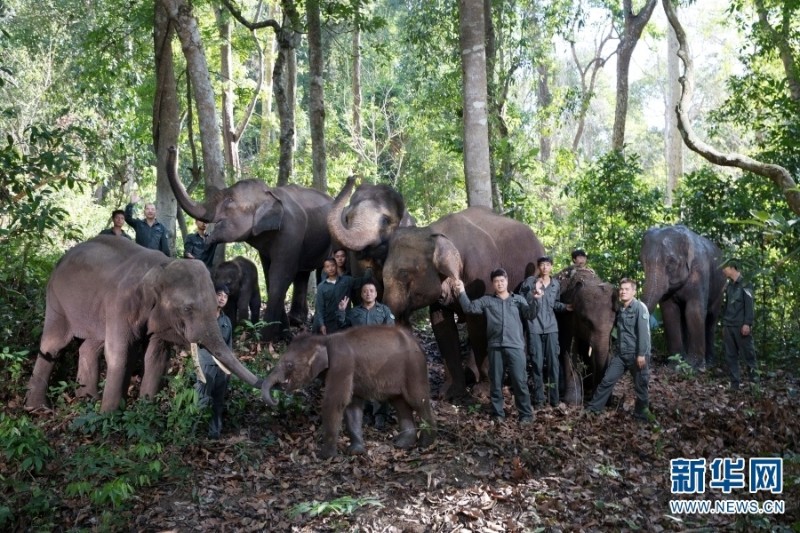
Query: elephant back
point(573, 278)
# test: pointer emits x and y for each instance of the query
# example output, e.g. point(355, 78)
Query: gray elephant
point(381, 363)
point(123, 297)
point(365, 224)
point(286, 225)
point(683, 276)
point(419, 262)
point(240, 275)
point(585, 331)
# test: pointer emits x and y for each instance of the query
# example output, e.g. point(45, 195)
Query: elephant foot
point(406, 439)
point(426, 439)
point(297, 321)
point(327, 451)
point(356, 448)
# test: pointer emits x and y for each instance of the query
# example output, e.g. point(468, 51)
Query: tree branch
point(780, 176)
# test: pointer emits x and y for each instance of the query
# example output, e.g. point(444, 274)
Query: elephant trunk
point(204, 212)
point(655, 286)
point(276, 376)
point(223, 354)
point(365, 230)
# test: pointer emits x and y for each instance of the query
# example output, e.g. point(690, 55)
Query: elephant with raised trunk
point(121, 296)
point(683, 276)
point(585, 331)
point(365, 224)
point(381, 363)
point(286, 225)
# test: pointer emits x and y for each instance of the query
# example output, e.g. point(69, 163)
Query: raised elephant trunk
point(204, 212)
point(365, 230)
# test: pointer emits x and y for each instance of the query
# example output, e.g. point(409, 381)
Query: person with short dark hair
point(738, 316)
point(330, 292)
point(631, 352)
point(340, 255)
point(195, 247)
point(543, 348)
point(505, 341)
point(117, 221)
point(212, 392)
point(150, 233)
point(579, 258)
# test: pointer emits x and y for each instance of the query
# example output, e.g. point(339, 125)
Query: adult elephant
point(240, 275)
point(121, 296)
point(286, 225)
point(365, 224)
point(683, 275)
point(585, 331)
point(421, 261)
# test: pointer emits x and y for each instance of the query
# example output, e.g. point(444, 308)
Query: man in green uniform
point(737, 322)
point(506, 343)
point(631, 352)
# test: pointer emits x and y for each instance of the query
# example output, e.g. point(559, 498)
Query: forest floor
point(569, 471)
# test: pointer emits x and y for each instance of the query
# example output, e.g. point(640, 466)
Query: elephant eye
point(384, 221)
point(187, 308)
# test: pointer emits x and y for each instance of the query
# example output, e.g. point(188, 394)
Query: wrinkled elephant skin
point(382, 363)
point(122, 297)
point(286, 225)
point(683, 276)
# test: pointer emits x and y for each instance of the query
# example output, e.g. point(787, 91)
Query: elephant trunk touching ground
point(205, 211)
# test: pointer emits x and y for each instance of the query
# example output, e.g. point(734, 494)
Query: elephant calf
point(382, 363)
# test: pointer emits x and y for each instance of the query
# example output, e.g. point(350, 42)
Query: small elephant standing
point(683, 275)
point(240, 275)
point(381, 363)
point(588, 325)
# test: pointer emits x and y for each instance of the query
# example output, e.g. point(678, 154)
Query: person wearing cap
point(212, 392)
point(737, 320)
point(543, 346)
point(117, 221)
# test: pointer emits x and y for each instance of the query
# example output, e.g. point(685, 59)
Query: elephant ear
point(269, 215)
point(145, 296)
point(446, 258)
point(319, 360)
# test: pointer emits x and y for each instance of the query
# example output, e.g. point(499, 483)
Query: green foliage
point(345, 505)
point(24, 444)
point(614, 208)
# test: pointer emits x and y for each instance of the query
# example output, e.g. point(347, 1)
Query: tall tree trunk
point(284, 79)
point(544, 99)
point(230, 143)
point(357, 88)
point(166, 118)
point(189, 34)
point(634, 25)
point(495, 114)
point(267, 122)
point(476, 133)
point(674, 156)
point(316, 100)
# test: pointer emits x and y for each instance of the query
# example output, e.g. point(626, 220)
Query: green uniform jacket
point(360, 316)
point(153, 237)
point(196, 245)
point(503, 323)
point(545, 320)
point(633, 329)
point(738, 304)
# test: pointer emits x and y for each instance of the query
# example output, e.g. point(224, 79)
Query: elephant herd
point(148, 299)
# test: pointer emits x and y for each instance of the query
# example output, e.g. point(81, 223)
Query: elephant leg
point(478, 342)
point(155, 365)
point(116, 353)
point(89, 368)
point(254, 305)
point(671, 314)
point(407, 433)
point(711, 326)
point(298, 312)
point(695, 334)
point(446, 333)
point(425, 411)
point(55, 336)
point(338, 395)
point(353, 419)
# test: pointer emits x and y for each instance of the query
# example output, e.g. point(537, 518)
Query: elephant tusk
point(590, 352)
point(221, 366)
point(196, 360)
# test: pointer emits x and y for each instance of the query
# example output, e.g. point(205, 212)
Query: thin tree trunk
point(476, 133)
point(166, 118)
point(495, 114)
point(544, 99)
point(189, 34)
point(634, 25)
point(674, 143)
point(357, 128)
point(316, 101)
point(230, 143)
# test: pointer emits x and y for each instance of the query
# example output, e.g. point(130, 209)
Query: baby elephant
point(364, 363)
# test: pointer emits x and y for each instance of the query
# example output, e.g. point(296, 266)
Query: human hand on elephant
point(458, 286)
point(343, 303)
